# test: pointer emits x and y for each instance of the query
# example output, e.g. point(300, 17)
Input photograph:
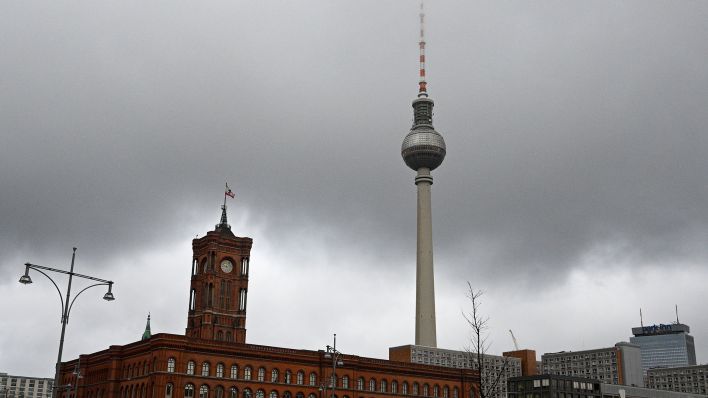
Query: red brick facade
point(206, 363)
point(219, 287)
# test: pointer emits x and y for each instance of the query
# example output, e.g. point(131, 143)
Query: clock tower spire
point(219, 286)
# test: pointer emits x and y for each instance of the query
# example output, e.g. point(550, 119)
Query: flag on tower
point(228, 192)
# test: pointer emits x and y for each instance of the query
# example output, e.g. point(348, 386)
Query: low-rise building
point(556, 386)
point(689, 379)
point(495, 367)
point(620, 364)
point(25, 386)
point(553, 386)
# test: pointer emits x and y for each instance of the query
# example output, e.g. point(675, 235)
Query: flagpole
point(226, 189)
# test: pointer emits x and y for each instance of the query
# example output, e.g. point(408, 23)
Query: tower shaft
point(425, 328)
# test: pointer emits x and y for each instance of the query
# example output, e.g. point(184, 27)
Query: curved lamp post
point(335, 356)
point(66, 305)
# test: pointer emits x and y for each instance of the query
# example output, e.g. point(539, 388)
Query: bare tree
point(492, 374)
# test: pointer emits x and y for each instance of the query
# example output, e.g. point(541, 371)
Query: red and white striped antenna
point(422, 89)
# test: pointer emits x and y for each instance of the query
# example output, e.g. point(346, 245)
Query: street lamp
point(335, 356)
point(65, 304)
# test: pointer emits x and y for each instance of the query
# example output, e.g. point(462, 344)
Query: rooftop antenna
point(422, 89)
point(641, 318)
point(677, 320)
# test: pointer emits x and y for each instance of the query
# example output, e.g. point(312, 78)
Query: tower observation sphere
point(423, 146)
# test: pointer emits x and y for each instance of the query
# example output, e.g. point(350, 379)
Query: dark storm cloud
point(572, 128)
point(568, 126)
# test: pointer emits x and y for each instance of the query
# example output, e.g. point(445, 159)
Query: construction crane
point(516, 343)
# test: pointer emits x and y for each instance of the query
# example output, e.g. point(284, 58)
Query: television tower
point(423, 150)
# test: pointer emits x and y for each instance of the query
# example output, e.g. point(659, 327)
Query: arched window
point(455, 393)
point(287, 394)
point(311, 396)
point(436, 391)
point(360, 383)
point(345, 382)
point(146, 368)
point(168, 390)
point(234, 371)
point(191, 300)
point(219, 370)
point(229, 337)
point(394, 387)
point(189, 391)
point(425, 389)
point(274, 376)
point(261, 376)
point(195, 267)
point(273, 394)
point(233, 392)
point(288, 377)
point(190, 369)
point(300, 377)
point(205, 369)
point(204, 391)
point(446, 392)
point(171, 365)
point(372, 384)
point(415, 388)
point(383, 386)
point(246, 374)
point(313, 379)
point(260, 394)
point(247, 393)
point(299, 395)
point(404, 388)
point(219, 392)
point(219, 336)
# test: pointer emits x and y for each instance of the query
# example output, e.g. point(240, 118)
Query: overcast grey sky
point(574, 190)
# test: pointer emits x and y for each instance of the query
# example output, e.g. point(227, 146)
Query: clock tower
point(219, 287)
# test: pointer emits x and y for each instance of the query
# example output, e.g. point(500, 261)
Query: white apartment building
point(25, 387)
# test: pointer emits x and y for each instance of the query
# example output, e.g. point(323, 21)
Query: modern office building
point(25, 386)
point(555, 386)
point(495, 367)
point(620, 364)
point(689, 379)
point(665, 346)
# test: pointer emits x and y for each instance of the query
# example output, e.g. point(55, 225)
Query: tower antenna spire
point(677, 320)
point(422, 84)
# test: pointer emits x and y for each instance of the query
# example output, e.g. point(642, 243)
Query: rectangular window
point(242, 300)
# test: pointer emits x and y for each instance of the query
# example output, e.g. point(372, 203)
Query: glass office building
point(665, 346)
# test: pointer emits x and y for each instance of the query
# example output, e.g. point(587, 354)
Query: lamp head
point(25, 279)
point(109, 295)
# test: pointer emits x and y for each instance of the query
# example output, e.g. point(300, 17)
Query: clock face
point(226, 266)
